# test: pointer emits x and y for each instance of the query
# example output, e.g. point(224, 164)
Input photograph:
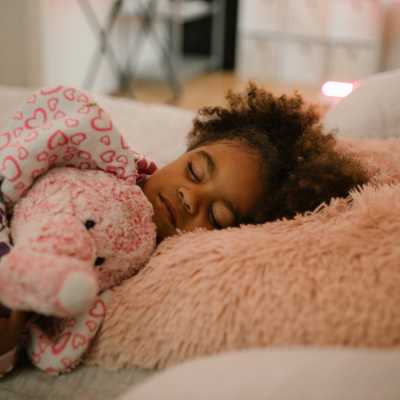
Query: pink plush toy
point(75, 234)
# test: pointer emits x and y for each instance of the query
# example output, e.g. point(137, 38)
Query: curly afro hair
point(301, 166)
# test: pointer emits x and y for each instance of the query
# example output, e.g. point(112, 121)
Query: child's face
point(210, 187)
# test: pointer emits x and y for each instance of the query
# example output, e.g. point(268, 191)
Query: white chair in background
point(175, 13)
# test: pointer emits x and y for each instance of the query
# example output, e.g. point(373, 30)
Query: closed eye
point(214, 222)
point(192, 174)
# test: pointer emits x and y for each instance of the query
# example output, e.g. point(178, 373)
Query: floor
point(210, 90)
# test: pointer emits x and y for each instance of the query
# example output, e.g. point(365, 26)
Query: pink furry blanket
point(331, 277)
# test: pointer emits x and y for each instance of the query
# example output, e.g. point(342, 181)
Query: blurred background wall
point(310, 41)
point(51, 42)
point(20, 43)
point(48, 42)
point(391, 37)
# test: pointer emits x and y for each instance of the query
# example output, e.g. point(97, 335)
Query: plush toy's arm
point(57, 345)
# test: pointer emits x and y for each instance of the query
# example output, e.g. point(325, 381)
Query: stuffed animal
point(78, 230)
point(75, 234)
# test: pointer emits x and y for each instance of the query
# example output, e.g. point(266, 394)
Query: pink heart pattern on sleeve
point(62, 126)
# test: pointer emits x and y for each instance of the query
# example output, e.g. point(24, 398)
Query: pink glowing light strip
point(337, 89)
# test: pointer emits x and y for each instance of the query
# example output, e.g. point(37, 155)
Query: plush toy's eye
point(99, 261)
point(89, 224)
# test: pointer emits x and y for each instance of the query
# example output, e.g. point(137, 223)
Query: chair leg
point(104, 46)
point(147, 30)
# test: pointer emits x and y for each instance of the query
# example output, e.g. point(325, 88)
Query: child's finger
point(4, 311)
point(16, 322)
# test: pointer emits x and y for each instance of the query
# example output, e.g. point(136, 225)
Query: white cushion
point(372, 110)
point(279, 374)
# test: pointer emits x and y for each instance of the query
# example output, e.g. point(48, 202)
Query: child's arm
point(10, 332)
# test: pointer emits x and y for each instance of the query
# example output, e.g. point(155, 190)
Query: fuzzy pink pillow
point(331, 277)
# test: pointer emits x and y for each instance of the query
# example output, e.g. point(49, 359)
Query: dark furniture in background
point(197, 35)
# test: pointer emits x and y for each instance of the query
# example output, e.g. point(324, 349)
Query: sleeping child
point(260, 159)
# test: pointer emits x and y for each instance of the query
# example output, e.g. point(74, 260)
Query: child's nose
point(189, 199)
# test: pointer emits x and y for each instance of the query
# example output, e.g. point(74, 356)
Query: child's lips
point(170, 210)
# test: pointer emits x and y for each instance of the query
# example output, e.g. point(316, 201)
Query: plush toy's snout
point(76, 232)
point(67, 285)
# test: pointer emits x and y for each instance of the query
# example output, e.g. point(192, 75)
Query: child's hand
point(10, 330)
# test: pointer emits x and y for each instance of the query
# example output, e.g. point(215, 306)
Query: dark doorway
point(197, 35)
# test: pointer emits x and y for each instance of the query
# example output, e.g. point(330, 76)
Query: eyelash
point(191, 173)
point(212, 218)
